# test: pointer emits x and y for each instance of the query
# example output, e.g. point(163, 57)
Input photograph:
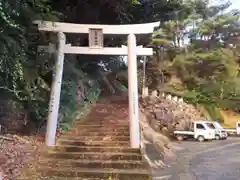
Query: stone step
point(95, 138)
point(69, 148)
point(103, 143)
point(92, 155)
point(94, 125)
point(34, 177)
point(104, 123)
point(100, 128)
point(96, 148)
point(119, 164)
point(96, 133)
point(121, 174)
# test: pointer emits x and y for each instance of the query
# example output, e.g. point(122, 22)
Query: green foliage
point(93, 94)
point(207, 101)
point(19, 73)
point(214, 112)
point(207, 67)
point(199, 67)
point(209, 77)
point(70, 111)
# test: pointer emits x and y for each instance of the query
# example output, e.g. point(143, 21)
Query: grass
point(230, 118)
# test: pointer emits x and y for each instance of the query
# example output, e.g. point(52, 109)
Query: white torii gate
point(96, 48)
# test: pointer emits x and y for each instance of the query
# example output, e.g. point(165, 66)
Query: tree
point(26, 75)
point(208, 65)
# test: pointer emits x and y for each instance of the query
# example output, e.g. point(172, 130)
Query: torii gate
point(96, 47)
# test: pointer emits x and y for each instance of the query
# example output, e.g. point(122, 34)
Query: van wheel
point(200, 138)
point(180, 138)
point(217, 137)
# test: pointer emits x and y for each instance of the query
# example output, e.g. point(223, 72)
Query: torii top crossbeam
point(146, 28)
point(96, 32)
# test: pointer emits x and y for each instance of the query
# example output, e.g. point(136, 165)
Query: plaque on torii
point(96, 47)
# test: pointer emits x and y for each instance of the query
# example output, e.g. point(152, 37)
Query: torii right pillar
point(133, 92)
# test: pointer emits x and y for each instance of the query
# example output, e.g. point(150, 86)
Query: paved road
point(216, 160)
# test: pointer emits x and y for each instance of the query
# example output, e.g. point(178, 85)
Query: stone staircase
point(97, 148)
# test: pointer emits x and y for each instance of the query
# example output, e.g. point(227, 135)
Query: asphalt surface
point(215, 160)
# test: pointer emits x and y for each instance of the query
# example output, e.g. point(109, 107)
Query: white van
point(235, 131)
point(221, 133)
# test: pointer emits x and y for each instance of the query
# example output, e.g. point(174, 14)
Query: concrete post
point(144, 77)
point(146, 91)
point(133, 93)
point(55, 93)
point(154, 93)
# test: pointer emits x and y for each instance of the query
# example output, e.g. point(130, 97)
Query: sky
point(235, 3)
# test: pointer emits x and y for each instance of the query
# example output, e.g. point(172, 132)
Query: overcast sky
point(235, 3)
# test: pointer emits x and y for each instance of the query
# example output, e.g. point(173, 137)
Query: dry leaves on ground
point(16, 153)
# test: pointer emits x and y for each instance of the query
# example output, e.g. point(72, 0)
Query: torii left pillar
point(55, 93)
